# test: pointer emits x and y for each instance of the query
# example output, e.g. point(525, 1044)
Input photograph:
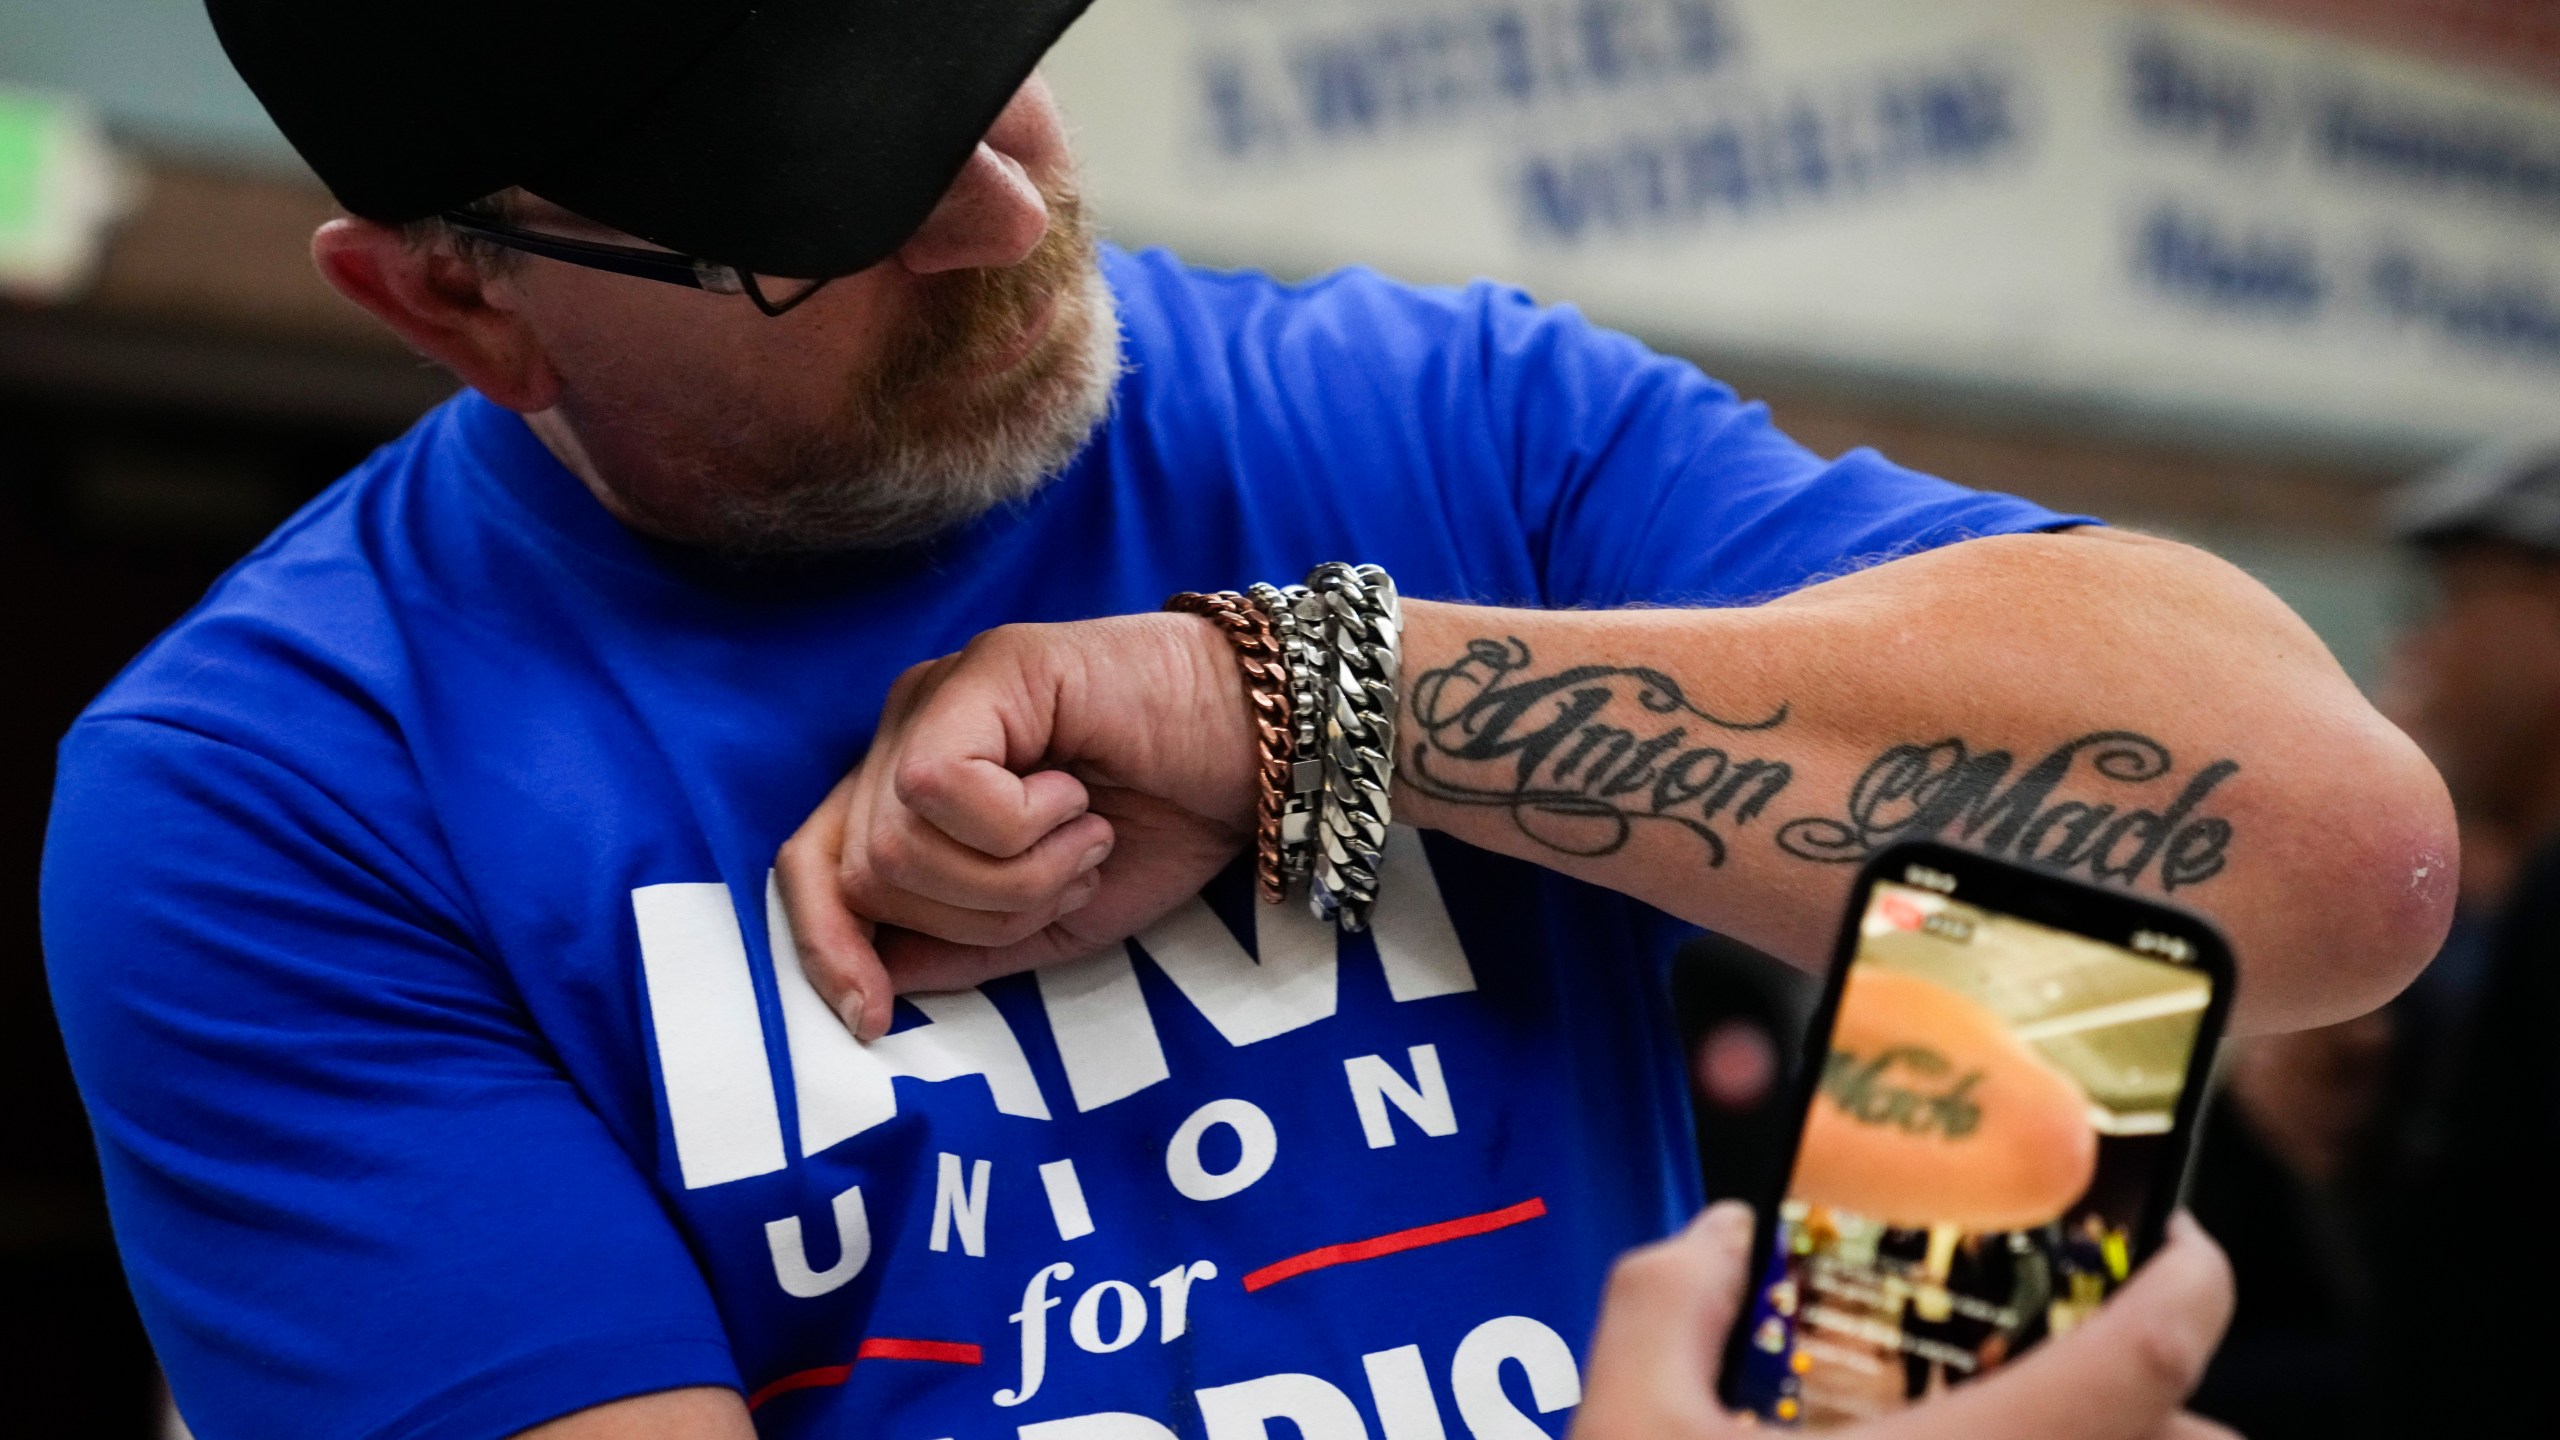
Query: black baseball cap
point(2507, 491)
point(801, 138)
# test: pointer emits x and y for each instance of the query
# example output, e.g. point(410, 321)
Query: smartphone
point(2001, 1089)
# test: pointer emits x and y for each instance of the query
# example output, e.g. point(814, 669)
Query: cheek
point(613, 334)
point(802, 366)
point(799, 377)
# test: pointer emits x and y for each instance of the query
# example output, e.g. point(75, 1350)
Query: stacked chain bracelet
point(1266, 682)
point(1320, 662)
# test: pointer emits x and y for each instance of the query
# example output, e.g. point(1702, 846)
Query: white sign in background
point(2158, 206)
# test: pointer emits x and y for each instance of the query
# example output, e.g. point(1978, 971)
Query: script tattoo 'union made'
point(1583, 756)
point(1948, 791)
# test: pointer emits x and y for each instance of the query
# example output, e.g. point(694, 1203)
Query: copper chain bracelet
point(1266, 683)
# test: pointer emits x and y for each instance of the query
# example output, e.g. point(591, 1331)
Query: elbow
point(2375, 868)
point(2412, 856)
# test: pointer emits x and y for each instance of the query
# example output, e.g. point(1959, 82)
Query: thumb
point(2120, 1375)
point(1662, 1331)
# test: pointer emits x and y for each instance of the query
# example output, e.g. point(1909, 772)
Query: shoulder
point(295, 658)
point(1170, 306)
point(309, 612)
point(1353, 360)
point(1155, 285)
point(252, 769)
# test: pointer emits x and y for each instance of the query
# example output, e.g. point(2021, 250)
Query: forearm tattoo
point(1865, 1090)
point(1917, 792)
point(1584, 756)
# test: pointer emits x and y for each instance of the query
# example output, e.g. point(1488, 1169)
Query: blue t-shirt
point(408, 913)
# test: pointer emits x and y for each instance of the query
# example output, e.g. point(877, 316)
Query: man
point(2479, 676)
point(459, 1066)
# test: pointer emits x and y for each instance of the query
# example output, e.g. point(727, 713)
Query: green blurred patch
point(25, 126)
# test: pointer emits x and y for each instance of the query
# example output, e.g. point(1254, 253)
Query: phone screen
point(1995, 1137)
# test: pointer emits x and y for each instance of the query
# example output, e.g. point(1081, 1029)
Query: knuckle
point(2167, 1355)
point(1014, 928)
point(1644, 1271)
point(862, 886)
point(1017, 645)
point(921, 781)
point(1014, 835)
point(1014, 636)
point(1017, 887)
point(795, 853)
point(1008, 897)
point(893, 858)
point(901, 697)
point(986, 645)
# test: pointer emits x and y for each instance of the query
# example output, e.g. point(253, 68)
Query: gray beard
point(844, 496)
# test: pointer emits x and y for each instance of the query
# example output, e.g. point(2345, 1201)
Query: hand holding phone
point(2122, 1376)
point(1995, 1123)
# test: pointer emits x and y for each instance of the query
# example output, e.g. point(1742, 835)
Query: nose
point(991, 217)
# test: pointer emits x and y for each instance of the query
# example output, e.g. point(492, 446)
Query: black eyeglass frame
point(670, 267)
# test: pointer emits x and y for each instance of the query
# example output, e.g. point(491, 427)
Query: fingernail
point(1079, 897)
point(1093, 859)
point(849, 1010)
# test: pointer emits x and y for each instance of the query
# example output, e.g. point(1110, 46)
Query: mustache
point(966, 318)
point(928, 433)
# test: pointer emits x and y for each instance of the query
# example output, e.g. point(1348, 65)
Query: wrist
point(1217, 715)
point(1433, 635)
point(1318, 667)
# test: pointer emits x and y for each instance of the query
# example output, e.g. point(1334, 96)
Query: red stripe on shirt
point(878, 1347)
point(1401, 1240)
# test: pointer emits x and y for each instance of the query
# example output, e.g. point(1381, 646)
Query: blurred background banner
point(2185, 209)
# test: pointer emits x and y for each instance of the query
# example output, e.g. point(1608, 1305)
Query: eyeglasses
point(666, 266)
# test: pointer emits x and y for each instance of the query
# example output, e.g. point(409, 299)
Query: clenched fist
point(1048, 791)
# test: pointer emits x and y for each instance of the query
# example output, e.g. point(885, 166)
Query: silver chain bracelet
point(1362, 625)
point(1302, 647)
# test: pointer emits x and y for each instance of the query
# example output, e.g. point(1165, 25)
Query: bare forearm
point(2126, 710)
point(700, 1413)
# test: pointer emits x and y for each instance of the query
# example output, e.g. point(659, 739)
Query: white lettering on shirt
point(702, 1011)
point(960, 1207)
point(1106, 1040)
point(1400, 1388)
point(1033, 1319)
point(1084, 1326)
point(1173, 1297)
point(1245, 1410)
point(1258, 1141)
point(1475, 1377)
point(1066, 1199)
point(791, 1266)
point(967, 1036)
point(841, 1088)
point(1425, 1100)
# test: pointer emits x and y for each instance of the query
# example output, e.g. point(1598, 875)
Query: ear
point(442, 305)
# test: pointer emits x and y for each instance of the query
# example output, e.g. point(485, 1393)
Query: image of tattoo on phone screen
point(2002, 1085)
